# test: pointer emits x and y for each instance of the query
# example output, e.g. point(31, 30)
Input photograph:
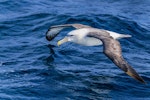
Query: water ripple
point(34, 69)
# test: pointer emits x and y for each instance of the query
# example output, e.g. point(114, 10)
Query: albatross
point(89, 36)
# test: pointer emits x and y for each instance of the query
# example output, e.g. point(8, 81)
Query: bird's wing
point(53, 31)
point(112, 49)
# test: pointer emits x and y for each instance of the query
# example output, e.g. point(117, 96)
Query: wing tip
point(140, 79)
point(49, 36)
point(136, 77)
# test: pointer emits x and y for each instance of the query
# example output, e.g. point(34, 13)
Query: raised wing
point(112, 50)
point(53, 31)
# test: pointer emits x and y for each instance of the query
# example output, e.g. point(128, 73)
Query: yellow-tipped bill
point(62, 41)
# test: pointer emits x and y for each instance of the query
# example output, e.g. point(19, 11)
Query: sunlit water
point(31, 68)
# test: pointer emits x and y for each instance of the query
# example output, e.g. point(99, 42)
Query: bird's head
point(74, 36)
point(71, 37)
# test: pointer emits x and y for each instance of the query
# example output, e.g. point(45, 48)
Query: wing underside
point(53, 31)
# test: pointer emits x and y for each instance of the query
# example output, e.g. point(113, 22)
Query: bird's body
point(84, 39)
point(89, 36)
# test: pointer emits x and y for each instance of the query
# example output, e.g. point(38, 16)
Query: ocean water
point(32, 68)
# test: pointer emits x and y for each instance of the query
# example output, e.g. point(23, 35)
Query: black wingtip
point(140, 79)
point(131, 72)
point(48, 38)
point(49, 35)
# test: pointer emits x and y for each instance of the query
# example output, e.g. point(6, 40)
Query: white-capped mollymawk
point(89, 36)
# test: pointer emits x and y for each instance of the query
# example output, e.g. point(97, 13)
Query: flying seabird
point(89, 36)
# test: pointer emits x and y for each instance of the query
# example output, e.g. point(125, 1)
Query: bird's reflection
point(50, 58)
point(50, 46)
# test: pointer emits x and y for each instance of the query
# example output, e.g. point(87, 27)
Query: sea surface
point(32, 68)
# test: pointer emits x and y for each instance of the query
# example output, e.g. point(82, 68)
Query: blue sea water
point(31, 68)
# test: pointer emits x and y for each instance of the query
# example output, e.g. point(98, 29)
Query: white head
point(74, 36)
point(79, 33)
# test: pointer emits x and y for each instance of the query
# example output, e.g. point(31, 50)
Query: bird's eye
point(70, 35)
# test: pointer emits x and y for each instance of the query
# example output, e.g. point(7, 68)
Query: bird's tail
point(125, 36)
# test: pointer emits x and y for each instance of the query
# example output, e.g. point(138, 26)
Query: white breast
point(89, 41)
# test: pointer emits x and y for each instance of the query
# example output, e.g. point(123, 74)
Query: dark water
point(31, 68)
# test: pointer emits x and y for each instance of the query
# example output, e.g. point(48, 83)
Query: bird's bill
point(64, 40)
